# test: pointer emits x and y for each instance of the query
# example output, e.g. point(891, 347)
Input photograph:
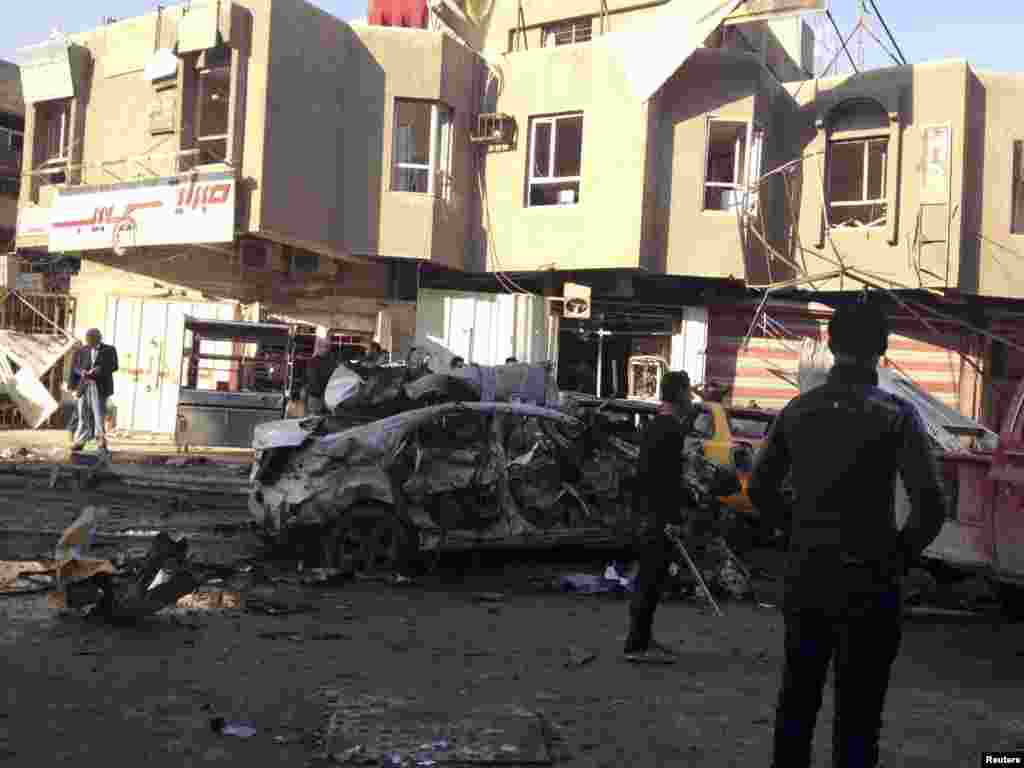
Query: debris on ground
point(374, 728)
point(579, 657)
point(489, 597)
point(138, 588)
point(240, 730)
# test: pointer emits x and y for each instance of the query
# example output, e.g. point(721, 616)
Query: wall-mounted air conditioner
point(493, 128)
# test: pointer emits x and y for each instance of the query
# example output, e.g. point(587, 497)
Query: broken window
point(213, 108)
point(55, 130)
point(567, 32)
point(1017, 221)
point(556, 156)
point(422, 148)
point(857, 181)
point(730, 166)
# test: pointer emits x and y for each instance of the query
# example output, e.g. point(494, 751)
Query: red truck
point(985, 529)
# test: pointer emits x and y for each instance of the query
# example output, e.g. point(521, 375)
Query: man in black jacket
point(660, 493)
point(92, 381)
point(318, 374)
point(842, 445)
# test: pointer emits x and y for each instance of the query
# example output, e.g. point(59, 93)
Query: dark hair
point(456, 362)
point(860, 330)
point(674, 386)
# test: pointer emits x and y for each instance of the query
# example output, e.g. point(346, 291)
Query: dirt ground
point(77, 691)
point(99, 695)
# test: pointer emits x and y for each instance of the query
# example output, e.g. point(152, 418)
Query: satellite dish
point(163, 64)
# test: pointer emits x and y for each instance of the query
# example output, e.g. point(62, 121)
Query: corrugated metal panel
point(765, 371)
point(149, 337)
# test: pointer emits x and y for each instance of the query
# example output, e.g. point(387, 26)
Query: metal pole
point(600, 359)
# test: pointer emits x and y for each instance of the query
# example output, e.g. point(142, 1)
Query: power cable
point(887, 32)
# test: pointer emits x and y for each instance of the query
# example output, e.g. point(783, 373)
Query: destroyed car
point(465, 473)
point(726, 435)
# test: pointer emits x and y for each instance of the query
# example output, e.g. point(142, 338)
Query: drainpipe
point(600, 356)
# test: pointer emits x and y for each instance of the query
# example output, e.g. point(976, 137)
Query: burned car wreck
point(481, 455)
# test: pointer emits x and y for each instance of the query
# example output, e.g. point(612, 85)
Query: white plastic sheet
point(343, 385)
point(650, 52)
point(942, 422)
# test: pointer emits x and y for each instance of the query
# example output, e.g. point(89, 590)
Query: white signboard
point(170, 212)
point(33, 221)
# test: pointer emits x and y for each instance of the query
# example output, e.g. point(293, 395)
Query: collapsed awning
point(651, 51)
point(34, 354)
point(38, 352)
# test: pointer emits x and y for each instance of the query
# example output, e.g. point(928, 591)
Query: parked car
point(727, 436)
point(732, 436)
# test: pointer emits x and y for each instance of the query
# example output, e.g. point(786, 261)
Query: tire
point(373, 540)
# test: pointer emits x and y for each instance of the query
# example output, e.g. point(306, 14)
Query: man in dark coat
point(92, 381)
point(661, 495)
point(842, 445)
point(318, 375)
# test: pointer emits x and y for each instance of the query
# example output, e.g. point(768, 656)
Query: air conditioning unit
point(493, 128)
point(576, 309)
point(575, 302)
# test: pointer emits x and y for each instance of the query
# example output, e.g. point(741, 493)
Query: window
point(858, 155)
point(567, 32)
point(556, 154)
point(423, 134)
point(9, 186)
point(856, 182)
point(1017, 221)
point(730, 170)
point(213, 108)
point(55, 130)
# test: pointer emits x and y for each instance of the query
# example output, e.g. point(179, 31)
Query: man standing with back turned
point(659, 484)
point(92, 381)
point(844, 442)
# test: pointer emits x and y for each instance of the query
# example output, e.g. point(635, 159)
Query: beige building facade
point(667, 155)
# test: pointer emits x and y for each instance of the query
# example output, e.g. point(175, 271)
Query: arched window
point(858, 165)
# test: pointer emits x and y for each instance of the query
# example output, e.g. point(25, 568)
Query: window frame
point(439, 152)
point(1017, 187)
point(883, 201)
point(754, 145)
point(64, 131)
point(197, 113)
point(572, 26)
point(550, 180)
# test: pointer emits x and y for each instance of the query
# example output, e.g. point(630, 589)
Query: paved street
point(126, 696)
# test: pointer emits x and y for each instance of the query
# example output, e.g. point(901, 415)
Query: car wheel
point(373, 540)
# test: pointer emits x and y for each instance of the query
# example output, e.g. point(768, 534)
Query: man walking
point(92, 381)
point(318, 375)
point(659, 493)
point(842, 445)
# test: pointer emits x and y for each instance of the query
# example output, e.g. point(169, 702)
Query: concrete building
point(405, 173)
point(207, 146)
point(12, 133)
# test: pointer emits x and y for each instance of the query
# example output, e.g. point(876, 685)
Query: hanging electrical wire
point(885, 26)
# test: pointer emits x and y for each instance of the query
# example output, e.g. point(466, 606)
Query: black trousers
point(656, 554)
point(862, 642)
